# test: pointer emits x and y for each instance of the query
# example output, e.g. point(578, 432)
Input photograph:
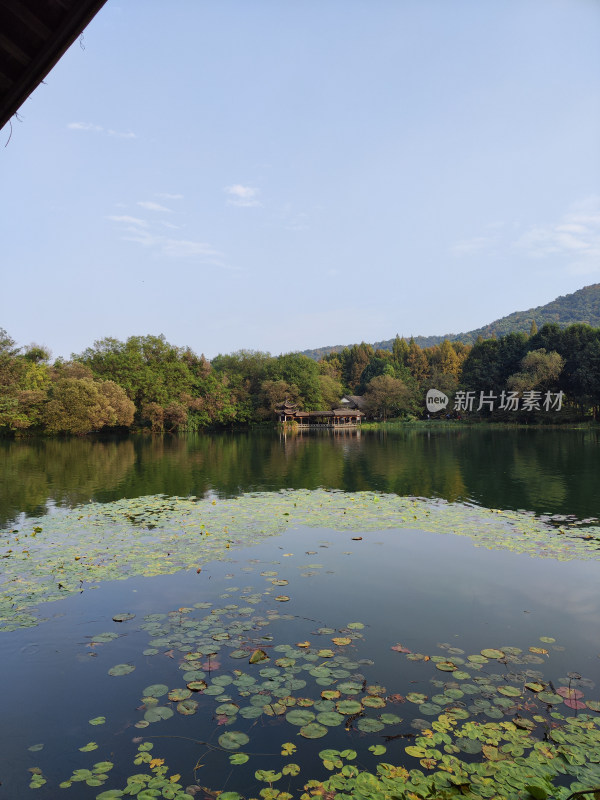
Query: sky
point(280, 176)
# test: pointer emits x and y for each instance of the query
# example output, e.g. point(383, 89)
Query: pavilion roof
point(34, 35)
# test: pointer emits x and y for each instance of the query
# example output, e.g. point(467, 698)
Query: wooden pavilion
point(288, 414)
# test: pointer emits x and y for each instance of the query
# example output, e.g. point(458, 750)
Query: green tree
point(539, 371)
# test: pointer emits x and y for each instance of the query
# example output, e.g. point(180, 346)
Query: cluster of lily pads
point(488, 724)
point(61, 553)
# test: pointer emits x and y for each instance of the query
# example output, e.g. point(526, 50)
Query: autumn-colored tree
point(416, 361)
point(387, 396)
point(175, 416)
point(154, 414)
point(274, 393)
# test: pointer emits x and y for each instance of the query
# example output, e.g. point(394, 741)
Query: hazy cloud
point(150, 206)
point(244, 196)
point(575, 238)
point(84, 126)
point(129, 220)
point(167, 196)
point(89, 126)
point(133, 229)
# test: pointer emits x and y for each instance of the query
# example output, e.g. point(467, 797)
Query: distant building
point(353, 401)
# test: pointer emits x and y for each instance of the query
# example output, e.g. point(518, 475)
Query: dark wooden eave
point(34, 35)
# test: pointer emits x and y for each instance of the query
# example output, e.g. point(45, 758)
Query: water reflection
point(543, 471)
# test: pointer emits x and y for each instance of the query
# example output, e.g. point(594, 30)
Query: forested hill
point(581, 306)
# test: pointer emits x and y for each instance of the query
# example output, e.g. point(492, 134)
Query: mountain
point(580, 306)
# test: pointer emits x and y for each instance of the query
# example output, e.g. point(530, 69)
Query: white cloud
point(244, 196)
point(573, 241)
point(84, 126)
point(136, 230)
point(150, 206)
point(129, 220)
point(575, 238)
point(167, 196)
point(89, 126)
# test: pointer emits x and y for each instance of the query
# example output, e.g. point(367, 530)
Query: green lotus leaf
point(299, 717)
point(372, 701)
point(467, 745)
point(416, 697)
point(251, 712)
point(155, 690)
point(267, 775)
point(535, 687)
point(123, 617)
point(158, 713)
point(313, 731)
point(228, 709)
point(238, 758)
point(187, 707)
point(415, 752)
point(274, 709)
point(330, 718)
point(348, 706)
point(97, 721)
point(510, 691)
point(460, 675)
point(390, 719)
point(349, 687)
point(177, 695)
point(213, 690)
point(233, 740)
point(550, 697)
point(369, 725)
point(103, 766)
point(490, 652)
point(121, 669)
point(430, 709)
point(197, 685)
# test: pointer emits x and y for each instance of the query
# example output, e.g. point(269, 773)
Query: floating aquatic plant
point(61, 553)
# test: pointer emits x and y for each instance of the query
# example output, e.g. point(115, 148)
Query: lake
point(327, 614)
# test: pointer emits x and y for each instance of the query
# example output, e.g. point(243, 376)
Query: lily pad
point(157, 713)
point(155, 690)
point(369, 725)
point(121, 669)
point(233, 740)
point(313, 731)
point(187, 707)
point(490, 652)
point(299, 717)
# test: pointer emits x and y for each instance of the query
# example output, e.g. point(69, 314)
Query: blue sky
point(284, 175)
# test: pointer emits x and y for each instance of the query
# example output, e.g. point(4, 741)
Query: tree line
point(146, 382)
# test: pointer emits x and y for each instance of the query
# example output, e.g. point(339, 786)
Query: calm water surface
point(414, 587)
